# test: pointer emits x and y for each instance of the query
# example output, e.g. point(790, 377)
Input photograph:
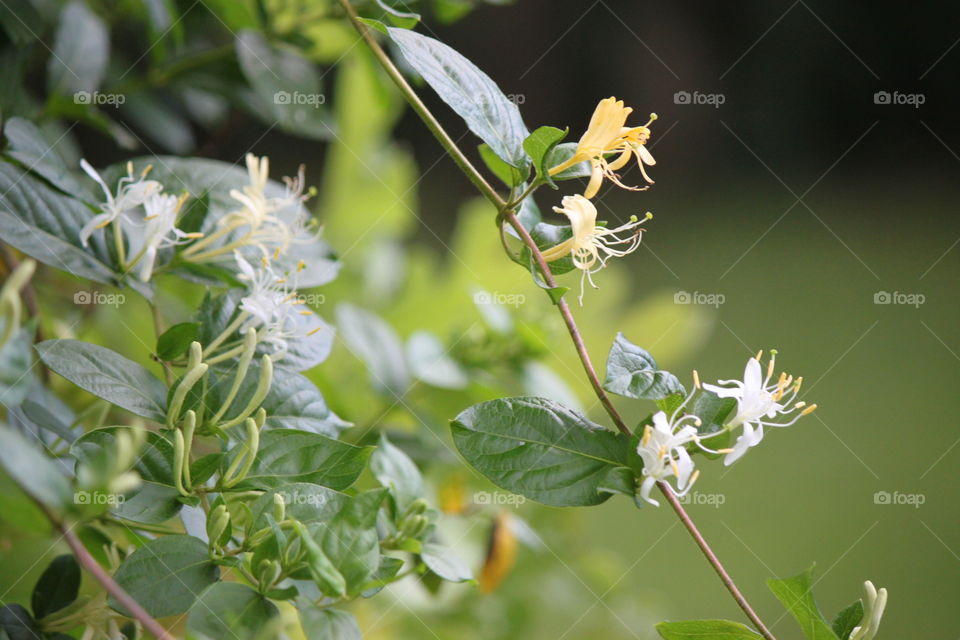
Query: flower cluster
point(607, 145)
point(664, 444)
point(141, 212)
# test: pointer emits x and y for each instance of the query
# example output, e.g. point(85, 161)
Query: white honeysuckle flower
point(874, 602)
point(132, 191)
point(663, 451)
point(759, 403)
point(590, 246)
point(272, 304)
point(263, 225)
point(159, 230)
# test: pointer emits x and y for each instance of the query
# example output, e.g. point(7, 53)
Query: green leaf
point(16, 623)
point(796, 594)
point(46, 225)
point(176, 340)
point(57, 587)
point(714, 412)
point(36, 474)
point(296, 403)
point(430, 362)
point(166, 574)
point(547, 235)
point(80, 50)
point(468, 91)
point(539, 449)
point(396, 471)
point(156, 499)
point(287, 87)
point(538, 146)
point(288, 455)
point(508, 175)
point(377, 345)
point(305, 502)
point(633, 373)
point(230, 610)
point(17, 377)
point(847, 620)
point(560, 154)
point(327, 624)
point(705, 630)
point(443, 562)
point(402, 19)
point(21, 21)
point(108, 375)
point(27, 144)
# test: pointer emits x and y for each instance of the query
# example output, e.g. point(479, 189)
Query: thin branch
point(714, 561)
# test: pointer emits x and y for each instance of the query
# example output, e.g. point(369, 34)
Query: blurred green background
point(797, 201)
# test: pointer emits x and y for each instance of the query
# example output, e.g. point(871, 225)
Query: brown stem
point(90, 563)
point(714, 561)
point(506, 211)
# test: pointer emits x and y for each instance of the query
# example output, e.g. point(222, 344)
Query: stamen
point(808, 410)
point(696, 379)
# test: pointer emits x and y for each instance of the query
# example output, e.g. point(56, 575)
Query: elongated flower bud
point(263, 388)
point(279, 508)
point(217, 525)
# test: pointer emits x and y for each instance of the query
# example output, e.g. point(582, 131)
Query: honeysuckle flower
point(874, 602)
point(132, 191)
point(590, 246)
point(606, 135)
point(159, 230)
point(663, 451)
point(271, 304)
point(265, 225)
point(760, 403)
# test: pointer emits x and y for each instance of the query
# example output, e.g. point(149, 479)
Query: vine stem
point(88, 562)
point(505, 209)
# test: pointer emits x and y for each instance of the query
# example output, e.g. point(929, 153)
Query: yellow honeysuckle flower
point(608, 134)
point(591, 246)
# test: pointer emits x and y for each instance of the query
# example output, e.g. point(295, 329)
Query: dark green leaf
point(507, 174)
point(469, 91)
point(538, 146)
point(108, 375)
point(287, 455)
point(27, 144)
point(36, 474)
point(17, 377)
point(230, 610)
point(547, 235)
point(539, 449)
point(796, 594)
point(57, 587)
point(705, 630)
point(166, 574)
point(560, 154)
point(632, 372)
point(16, 623)
point(847, 620)
point(176, 340)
